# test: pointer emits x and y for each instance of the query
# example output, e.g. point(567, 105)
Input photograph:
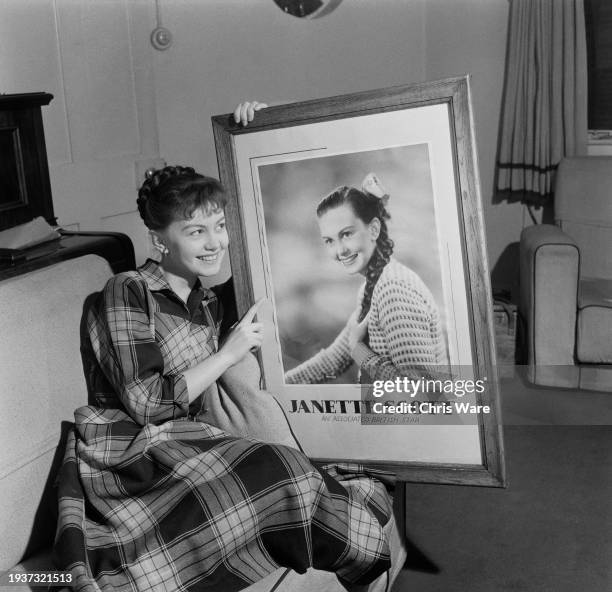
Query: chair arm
point(549, 270)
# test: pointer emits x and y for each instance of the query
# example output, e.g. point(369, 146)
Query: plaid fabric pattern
point(141, 337)
point(151, 500)
point(405, 335)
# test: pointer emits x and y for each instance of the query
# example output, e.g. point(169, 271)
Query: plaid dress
point(153, 498)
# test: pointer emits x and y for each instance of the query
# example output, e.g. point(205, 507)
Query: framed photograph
point(358, 219)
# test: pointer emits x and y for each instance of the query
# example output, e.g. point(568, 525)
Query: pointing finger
point(249, 315)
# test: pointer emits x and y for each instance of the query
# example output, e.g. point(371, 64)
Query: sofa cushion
point(594, 331)
point(41, 383)
point(583, 208)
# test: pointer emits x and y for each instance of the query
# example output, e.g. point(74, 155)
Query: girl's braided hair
point(174, 193)
point(366, 207)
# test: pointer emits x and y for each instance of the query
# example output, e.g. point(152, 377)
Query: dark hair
point(366, 207)
point(174, 193)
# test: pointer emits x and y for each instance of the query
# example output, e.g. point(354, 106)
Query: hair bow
point(371, 184)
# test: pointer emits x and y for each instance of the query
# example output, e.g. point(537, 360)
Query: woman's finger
point(249, 315)
point(237, 112)
point(240, 113)
point(244, 113)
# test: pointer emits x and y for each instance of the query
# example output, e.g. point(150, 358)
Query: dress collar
point(151, 271)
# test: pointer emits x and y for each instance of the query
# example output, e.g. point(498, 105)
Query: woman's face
point(196, 246)
point(348, 239)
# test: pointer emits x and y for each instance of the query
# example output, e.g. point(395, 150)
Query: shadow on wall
point(505, 273)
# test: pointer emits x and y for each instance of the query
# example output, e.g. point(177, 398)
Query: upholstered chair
point(565, 307)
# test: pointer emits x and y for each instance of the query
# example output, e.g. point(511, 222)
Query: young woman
point(395, 330)
point(153, 496)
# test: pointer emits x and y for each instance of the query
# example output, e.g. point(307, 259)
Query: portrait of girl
point(356, 275)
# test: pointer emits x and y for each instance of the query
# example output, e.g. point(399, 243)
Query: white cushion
point(41, 383)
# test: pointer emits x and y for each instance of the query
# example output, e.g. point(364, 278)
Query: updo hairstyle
point(174, 193)
point(366, 207)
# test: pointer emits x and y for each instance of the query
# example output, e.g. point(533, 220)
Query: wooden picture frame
point(419, 140)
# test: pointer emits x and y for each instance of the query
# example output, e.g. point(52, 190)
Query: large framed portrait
point(358, 219)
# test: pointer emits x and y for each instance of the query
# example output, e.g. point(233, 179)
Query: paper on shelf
point(27, 235)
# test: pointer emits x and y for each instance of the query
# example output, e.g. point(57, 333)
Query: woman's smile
point(210, 257)
point(348, 260)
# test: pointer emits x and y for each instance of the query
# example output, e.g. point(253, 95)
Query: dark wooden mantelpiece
point(25, 189)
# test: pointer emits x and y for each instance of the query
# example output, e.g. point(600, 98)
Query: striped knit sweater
point(404, 335)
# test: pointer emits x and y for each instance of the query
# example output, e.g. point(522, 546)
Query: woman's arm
point(324, 365)
point(131, 358)
point(409, 322)
point(123, 337)
point(241, 339)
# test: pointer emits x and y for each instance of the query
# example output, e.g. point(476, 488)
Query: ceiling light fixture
point(309, 9)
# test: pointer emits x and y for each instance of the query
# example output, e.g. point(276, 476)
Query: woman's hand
point(357, 329)
point(245, 112)
point(245, 336)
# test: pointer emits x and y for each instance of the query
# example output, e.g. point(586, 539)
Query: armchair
point(565, 307)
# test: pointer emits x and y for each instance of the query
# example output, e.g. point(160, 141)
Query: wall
point(226, 51)
point(119, 105)
point(600, 149)
point(469, 36)
point(101, 126)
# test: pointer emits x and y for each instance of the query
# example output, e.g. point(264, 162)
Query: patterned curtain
point(544, 111)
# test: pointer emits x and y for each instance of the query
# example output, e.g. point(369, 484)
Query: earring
point(165, 250)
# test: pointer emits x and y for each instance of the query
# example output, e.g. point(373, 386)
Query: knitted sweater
point(404, 335)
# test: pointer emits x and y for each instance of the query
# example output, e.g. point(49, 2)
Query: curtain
point(544, 111)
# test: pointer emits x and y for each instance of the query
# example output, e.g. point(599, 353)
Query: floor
point(550, 529)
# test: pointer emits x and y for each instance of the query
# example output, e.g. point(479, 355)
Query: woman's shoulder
point(149, 274)
point(127, 285)
point(399, 274)
point(399, 281)
point(123, 294)
point(125, 278)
